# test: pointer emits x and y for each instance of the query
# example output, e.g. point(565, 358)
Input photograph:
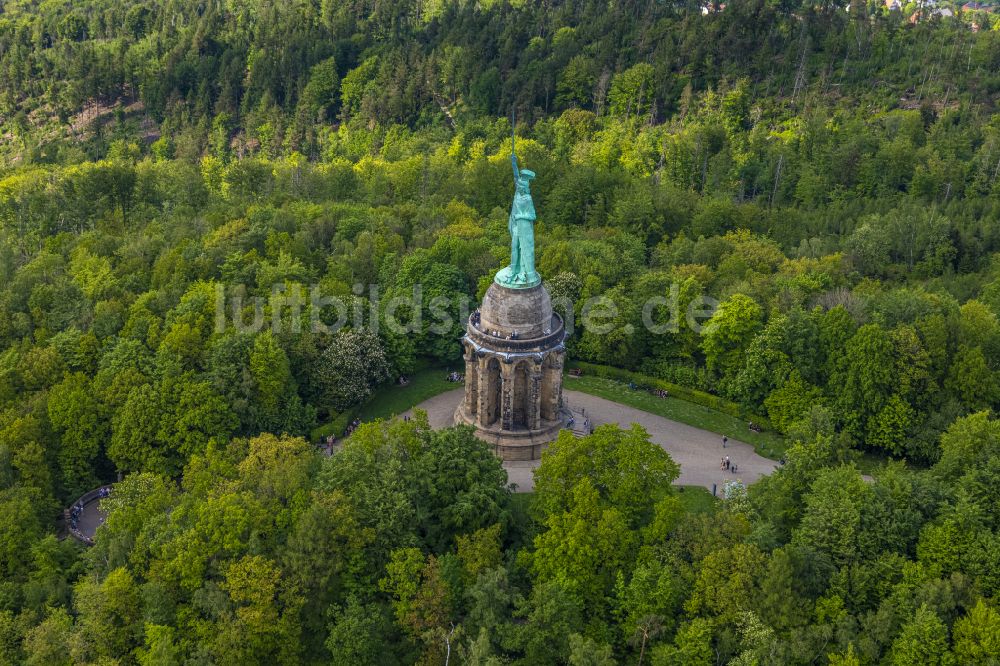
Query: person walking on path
point(725, 440)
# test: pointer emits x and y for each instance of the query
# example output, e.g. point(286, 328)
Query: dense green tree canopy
point(215, 219)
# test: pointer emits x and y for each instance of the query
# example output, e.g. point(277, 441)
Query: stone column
point(507, 397)
point(485, 391)
point(471, 382)
point(534, 417)
point(556, 368)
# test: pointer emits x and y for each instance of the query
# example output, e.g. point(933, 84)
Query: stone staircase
point(578, 422)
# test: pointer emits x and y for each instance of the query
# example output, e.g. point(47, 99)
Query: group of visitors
point(660, 393)
point(351, 427)
point(77, 509)
point(476, 321)
point(330, 441)
point(74, 515)
point(728, 466)
point(456, 377)
point(754, 427)
point(497, 334)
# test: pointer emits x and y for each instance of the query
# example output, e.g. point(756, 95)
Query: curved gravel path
point(697, 451)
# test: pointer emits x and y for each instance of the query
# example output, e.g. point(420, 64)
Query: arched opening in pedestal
point(522, 395)
point(492, 387)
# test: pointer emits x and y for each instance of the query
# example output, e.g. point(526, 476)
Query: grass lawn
point(696, 499)
point(392, 399)
point(768, 444)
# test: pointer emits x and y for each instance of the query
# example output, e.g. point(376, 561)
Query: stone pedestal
point(514, 354)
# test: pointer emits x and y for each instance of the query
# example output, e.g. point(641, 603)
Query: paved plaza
point(697, 451)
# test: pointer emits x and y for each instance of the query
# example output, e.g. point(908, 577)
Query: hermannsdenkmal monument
point(515, 348)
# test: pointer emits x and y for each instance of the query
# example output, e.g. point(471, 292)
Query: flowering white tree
point(736, 498)
point(350, 367)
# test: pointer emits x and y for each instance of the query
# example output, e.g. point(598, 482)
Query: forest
point(828, 172)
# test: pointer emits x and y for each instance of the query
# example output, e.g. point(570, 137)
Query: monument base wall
point(517, 444)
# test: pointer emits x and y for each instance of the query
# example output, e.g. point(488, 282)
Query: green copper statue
point(521, 273)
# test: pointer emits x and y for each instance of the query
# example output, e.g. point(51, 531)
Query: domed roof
point(526, 312)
